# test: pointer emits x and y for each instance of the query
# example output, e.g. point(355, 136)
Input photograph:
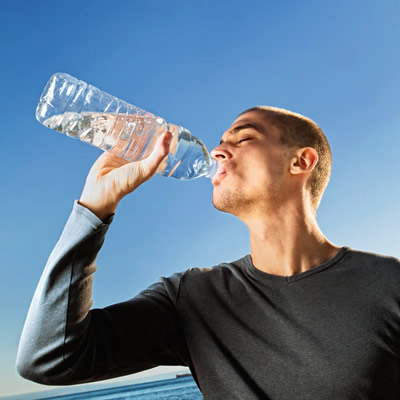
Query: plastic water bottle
point(82, 111)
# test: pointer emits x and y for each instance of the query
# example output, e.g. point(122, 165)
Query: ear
point(304, 161)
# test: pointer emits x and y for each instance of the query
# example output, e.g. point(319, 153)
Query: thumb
point(160, 152)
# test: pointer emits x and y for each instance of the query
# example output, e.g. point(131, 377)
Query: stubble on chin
point(231, 201)
point(244, 202)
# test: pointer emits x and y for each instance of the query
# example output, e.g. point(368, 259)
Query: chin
point(217, 202)
point(226, 202)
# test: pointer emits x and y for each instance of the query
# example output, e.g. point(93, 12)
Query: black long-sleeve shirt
point(332, 332)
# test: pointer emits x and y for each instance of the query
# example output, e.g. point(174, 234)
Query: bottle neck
point(212, 169)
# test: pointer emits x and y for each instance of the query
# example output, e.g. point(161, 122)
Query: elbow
point(27, 369)
point(24, 372)
point(35, 369)
point(31, 373)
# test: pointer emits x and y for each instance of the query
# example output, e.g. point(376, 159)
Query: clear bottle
point(82, 111)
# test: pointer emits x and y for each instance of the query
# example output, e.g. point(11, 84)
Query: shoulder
point(378, 266)
point(194, 279)
point(373, 259)
point(231, 268)
point(220, 278)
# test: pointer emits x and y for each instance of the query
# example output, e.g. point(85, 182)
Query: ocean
point(182, 388)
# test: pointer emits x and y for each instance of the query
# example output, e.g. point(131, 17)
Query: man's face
point(253, 167)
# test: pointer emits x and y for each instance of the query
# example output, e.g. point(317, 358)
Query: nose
point(220, 153)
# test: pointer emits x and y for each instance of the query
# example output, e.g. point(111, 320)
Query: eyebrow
point(241, 127)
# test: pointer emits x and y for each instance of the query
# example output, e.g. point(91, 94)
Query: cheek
point(263, 173)
point(256, 174)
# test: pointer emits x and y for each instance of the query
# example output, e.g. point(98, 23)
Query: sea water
point(184, 388)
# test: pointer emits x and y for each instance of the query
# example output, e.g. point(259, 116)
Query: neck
point(288, 242)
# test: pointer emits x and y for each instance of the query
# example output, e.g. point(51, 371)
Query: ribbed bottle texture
point(81, 110)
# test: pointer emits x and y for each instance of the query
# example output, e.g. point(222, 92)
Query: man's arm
point(64, 342)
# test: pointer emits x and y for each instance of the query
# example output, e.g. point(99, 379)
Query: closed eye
point(242, 140)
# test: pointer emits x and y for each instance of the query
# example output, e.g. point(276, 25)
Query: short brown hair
point(299, 131)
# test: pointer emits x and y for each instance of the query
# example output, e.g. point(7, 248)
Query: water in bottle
point(95, 117)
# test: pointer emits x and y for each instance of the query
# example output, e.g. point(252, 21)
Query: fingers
point(134, 174)
point(112, 177)
point(150, 164)
point(161, 149)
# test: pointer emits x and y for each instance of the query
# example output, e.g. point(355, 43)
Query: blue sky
point(197, 64)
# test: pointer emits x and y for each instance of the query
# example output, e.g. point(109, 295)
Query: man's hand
point(111, 178)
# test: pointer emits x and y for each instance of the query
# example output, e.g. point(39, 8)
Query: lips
point(221, 171)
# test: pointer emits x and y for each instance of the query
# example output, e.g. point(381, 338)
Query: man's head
point(281, 144)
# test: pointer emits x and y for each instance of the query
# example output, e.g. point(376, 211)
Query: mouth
point(221, 171)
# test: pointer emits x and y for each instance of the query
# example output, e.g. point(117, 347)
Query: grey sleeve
point(65, 342)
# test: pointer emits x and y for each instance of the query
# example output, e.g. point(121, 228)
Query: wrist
point(101, 213)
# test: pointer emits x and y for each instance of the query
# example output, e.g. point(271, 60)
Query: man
point(298, 318)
